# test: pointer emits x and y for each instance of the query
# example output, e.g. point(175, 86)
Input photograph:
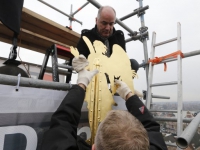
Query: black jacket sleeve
point(62, 134)
point(121, 39)
point(136, 107)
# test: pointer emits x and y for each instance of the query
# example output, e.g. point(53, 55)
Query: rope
point(20, 57)
point(157, 60)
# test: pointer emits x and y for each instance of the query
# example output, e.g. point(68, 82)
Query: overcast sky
point(161, 17)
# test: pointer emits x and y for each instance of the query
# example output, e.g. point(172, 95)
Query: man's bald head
point(106, 9)
point(105, 21)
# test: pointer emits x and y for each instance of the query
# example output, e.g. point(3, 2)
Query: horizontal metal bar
point(170, 144)
point(189, 54)
point(30, 82)
point(65, 66)
point(61, 72)
point(168, 60)
point(193, 53)
point(163, 84)
point(163, 97)
point(163, 61)
point(72, 18)
point(165, 42)
point(134, 13)
point(172, 111)
point(126, 27)
point(48, 69)
point(185, 55)
point(67, 62)
point(136, 37)
point(79, 9)
point(172, 119)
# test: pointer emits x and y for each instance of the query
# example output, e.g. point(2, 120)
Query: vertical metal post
point(44, 64)
point(54, 57)
point(60, 11)
point(144, 41)
point(179, 86)
point(150, 73)
point(80, 8)
point(69, 76)
point(72, 14)
point(70, 23)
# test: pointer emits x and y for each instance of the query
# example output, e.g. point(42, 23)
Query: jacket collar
point(95, 31)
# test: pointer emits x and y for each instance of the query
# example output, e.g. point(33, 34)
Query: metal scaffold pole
point(144, 41)
point(35, 83)
point(179, 86)
point(73, 13)
point(72, 18)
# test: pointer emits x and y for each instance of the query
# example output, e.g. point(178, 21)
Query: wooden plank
point(38, 33)
point(46, 27)
point(28, 40)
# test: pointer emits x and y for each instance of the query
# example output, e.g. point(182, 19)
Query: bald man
point(105, 32)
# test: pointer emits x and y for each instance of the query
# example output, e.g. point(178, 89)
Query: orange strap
point(157, 60)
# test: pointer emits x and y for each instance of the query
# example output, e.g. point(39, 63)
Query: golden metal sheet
point(98, 96)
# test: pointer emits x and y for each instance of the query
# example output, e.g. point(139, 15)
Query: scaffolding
point(184, 137)
point(142, 35)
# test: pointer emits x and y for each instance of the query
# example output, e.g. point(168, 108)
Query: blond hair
point(121, 131)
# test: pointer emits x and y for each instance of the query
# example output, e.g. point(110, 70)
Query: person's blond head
point(121, 131)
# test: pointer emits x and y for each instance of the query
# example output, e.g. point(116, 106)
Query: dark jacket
point(62, 134)
point(116, 38)
point(134, 105)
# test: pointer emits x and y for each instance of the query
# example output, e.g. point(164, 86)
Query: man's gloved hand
point(139, 94)
point(122, 89)
point(79, 63)
point(85, 76)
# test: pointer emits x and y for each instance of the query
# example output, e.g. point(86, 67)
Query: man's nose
point(108, 27)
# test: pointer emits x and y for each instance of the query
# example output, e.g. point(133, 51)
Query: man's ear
point(93, 147)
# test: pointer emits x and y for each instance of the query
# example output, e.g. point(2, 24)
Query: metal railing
point(35, 83)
